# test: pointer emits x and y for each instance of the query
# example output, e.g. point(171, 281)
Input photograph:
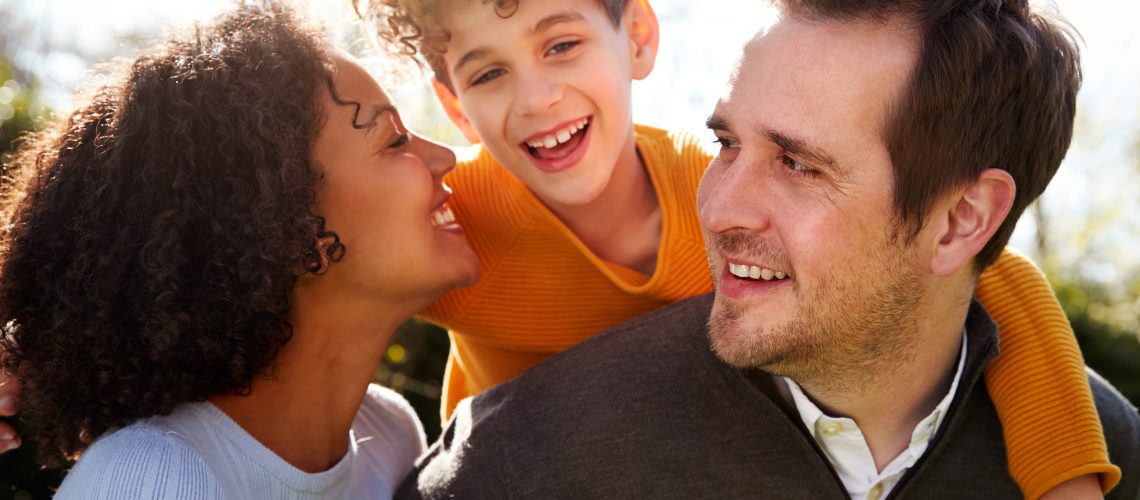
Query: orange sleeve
point(1038, 383)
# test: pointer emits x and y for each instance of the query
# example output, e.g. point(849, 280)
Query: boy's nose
point(535, 93)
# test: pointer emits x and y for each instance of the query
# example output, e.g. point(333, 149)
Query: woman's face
point(383, 194)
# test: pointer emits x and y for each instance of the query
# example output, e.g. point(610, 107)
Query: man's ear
point(454, 110)
point(966, 221)
point(644, 37)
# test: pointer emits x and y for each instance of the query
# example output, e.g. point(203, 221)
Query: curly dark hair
point(153, 236)
point(411, 28)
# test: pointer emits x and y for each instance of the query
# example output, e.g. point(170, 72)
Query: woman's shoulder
point(388, 433)
point(387, 412)
point(143, 460)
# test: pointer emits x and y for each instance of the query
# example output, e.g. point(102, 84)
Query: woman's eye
point(561, 47)
point(487, 76)
point(400, 141)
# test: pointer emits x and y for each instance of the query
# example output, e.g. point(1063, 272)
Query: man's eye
point(487, 76)
point(726, 143)
point(561, 47)
point(798, 167)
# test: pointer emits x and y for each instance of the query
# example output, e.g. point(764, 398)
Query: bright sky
point(1092, 204)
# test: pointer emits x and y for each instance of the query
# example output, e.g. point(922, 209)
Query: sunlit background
point(1085, 232)
point(1090, 227)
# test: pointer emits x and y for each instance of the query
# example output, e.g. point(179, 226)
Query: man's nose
point(732, 196)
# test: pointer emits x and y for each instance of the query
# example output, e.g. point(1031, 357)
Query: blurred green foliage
point(18, 105)
point(1105, 329)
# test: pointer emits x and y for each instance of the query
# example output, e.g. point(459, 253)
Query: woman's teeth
point(442, 217)
point(754, 272)
point(559, 137)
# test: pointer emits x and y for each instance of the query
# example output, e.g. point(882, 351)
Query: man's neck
point(896, 395)
point(623, 224)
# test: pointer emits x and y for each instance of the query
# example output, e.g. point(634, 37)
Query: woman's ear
point(644, 37)
point(967, 220)
point(454, 110)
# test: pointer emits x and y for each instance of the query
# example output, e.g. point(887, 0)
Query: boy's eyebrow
point(553, 19)
point(471, 56)
point(542, 25)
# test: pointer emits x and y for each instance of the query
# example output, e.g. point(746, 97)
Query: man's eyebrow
point(799, 147)
point(716, 122)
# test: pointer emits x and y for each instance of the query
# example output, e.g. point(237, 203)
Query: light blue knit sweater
point(197, 452)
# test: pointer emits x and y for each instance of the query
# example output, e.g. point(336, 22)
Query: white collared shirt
point(843, 443)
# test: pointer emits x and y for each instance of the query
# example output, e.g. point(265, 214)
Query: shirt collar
point(844, 446)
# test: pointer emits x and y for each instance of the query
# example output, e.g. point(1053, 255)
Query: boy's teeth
point(755, 272)
point(560, 136)
point(442, 217)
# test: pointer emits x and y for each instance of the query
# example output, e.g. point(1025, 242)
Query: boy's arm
point(1038, 383)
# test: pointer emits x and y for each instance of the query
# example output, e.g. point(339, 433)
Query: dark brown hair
point(154, 235)
point(995, 86)
point(412, 28)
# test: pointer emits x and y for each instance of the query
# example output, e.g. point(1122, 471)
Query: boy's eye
point(487, 76)
point(561, 47)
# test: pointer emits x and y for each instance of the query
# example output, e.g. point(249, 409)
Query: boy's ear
point(644, 36)
point(454, 110)
point(965, 222)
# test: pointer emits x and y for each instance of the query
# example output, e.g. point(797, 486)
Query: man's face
point(546, 90)
point(797, 208)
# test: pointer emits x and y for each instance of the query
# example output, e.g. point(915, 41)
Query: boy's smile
point(560, 148)
point(547, 91)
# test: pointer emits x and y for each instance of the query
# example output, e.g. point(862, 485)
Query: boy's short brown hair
point(995, 85)
point(413, 28)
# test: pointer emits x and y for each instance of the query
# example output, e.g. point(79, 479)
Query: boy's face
point(547, 89)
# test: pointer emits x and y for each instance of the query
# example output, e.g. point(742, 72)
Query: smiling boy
point(582, 220)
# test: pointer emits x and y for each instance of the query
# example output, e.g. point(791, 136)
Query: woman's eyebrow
point(372, 115)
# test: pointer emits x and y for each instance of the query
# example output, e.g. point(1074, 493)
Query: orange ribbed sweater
point(542, 290)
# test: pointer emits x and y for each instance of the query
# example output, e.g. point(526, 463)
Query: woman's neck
point(304, 408)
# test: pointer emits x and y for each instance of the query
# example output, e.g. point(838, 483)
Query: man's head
point(874, 156)
point(544, 85)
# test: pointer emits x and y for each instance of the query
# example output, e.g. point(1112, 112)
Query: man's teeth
point(754, 272)
point(442, 217)
point(559, 137)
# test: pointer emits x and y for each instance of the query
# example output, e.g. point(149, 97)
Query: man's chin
point(736, 343)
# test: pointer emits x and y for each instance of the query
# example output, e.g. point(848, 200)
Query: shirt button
point(831, 428)
point(876, 492)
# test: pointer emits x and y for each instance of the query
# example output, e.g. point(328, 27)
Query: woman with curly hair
point(201, 269)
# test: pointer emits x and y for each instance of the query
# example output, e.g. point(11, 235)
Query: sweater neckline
point(262, 457)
